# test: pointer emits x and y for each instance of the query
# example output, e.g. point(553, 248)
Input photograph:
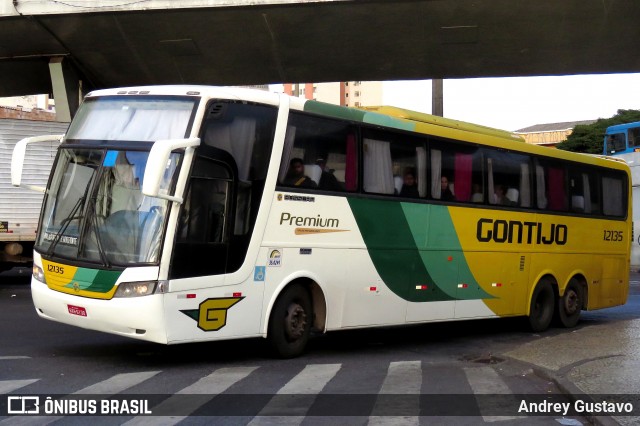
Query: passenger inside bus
point(296, 176)
point(409, 184)
point(477, 196)
point(445, 191)
point(328, 180)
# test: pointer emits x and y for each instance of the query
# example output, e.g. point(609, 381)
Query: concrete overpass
point(48, 46)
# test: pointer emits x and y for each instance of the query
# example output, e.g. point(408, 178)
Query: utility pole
point(437, 105)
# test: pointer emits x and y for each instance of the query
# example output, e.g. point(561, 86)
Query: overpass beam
point(66, 88)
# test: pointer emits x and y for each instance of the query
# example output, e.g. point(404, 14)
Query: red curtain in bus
point(351, 167)
point(555, 189)
point(462, 176)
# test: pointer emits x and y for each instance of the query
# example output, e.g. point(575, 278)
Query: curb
point(573, 392)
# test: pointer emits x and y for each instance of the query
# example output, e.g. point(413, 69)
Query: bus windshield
point(133, 118)
point(95, 210)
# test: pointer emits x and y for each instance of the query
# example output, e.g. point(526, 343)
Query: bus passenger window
point(456, 173)
point(582, 189)
point(613, 190)
point(319, 153)
point(616, 142)
point(508, 178)
point(633, 135)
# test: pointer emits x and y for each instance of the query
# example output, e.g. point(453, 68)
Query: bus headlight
point(38, 274)
point(135, 289)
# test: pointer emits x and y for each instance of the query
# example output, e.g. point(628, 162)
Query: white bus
point(182, 214)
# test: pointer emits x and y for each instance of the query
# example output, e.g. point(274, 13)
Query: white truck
point(20, 207)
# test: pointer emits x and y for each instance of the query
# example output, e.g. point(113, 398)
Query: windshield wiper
point(96, 230)
point(65, 223)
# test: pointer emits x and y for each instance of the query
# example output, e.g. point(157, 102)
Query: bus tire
point(542, 306)
point(570, 304)
point(290, 322)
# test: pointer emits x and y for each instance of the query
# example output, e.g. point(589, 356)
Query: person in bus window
point(409, 184)
point(445, 191)
point(501, 196)
point(327, 179)
point(476, 193)
point(296, 177)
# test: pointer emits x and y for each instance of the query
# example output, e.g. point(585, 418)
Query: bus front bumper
point(136, 317)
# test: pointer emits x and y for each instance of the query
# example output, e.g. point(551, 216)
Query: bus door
point(206, 218)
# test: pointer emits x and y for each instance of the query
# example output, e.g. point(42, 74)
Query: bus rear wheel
point(542, 306)
point(290, 322)
point(570, 304)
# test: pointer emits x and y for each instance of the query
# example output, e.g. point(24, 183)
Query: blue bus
point(622, 141)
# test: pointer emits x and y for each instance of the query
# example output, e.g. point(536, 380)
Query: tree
point(589, 137)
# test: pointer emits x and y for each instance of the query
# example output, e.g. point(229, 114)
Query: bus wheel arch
point(542, 304)
point(572, 301)
point(298, 308)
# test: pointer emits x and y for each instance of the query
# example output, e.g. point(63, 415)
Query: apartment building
point(344, 93)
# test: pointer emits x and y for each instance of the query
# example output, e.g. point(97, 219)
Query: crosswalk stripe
point(110, 386)
point(404, 377)
point(7, 386)
point(10, 357)
point(117, 383)
point(207, 387)
point(310, 382)
point(486, 381)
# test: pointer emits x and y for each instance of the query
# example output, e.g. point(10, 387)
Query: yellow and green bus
point(188, 213)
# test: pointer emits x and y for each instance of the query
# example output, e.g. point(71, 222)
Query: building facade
point(344, 93)
point(549, 134)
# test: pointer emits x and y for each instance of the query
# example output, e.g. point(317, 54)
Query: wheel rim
point(571, 301)
point(295, 322)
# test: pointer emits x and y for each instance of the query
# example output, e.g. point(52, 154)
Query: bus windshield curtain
point(237, 139)
point(378, 168)
point(555, 189)
point(462, 176)
point(134, 125)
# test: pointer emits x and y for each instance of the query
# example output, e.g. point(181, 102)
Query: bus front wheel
point(570, 304)
point(290, 322)
point(542, 306)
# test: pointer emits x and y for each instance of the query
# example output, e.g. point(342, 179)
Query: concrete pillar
point(66, 88)
point(437, 103)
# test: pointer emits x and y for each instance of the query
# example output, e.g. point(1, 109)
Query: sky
point(517, 102)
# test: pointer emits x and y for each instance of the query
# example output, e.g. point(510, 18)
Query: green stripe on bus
point(436, 238)
point(385, 120)
point(391, 245)
point(415, 250)
point(334, 111)
point(94, 280)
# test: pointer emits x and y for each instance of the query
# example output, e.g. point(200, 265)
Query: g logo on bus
point(211, 314)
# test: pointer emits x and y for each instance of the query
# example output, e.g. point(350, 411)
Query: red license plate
point(77, 310)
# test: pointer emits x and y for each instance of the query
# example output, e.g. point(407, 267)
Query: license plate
point(77, 310)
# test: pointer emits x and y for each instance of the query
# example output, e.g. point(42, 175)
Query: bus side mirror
point(157, 165)
point(17, 159)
